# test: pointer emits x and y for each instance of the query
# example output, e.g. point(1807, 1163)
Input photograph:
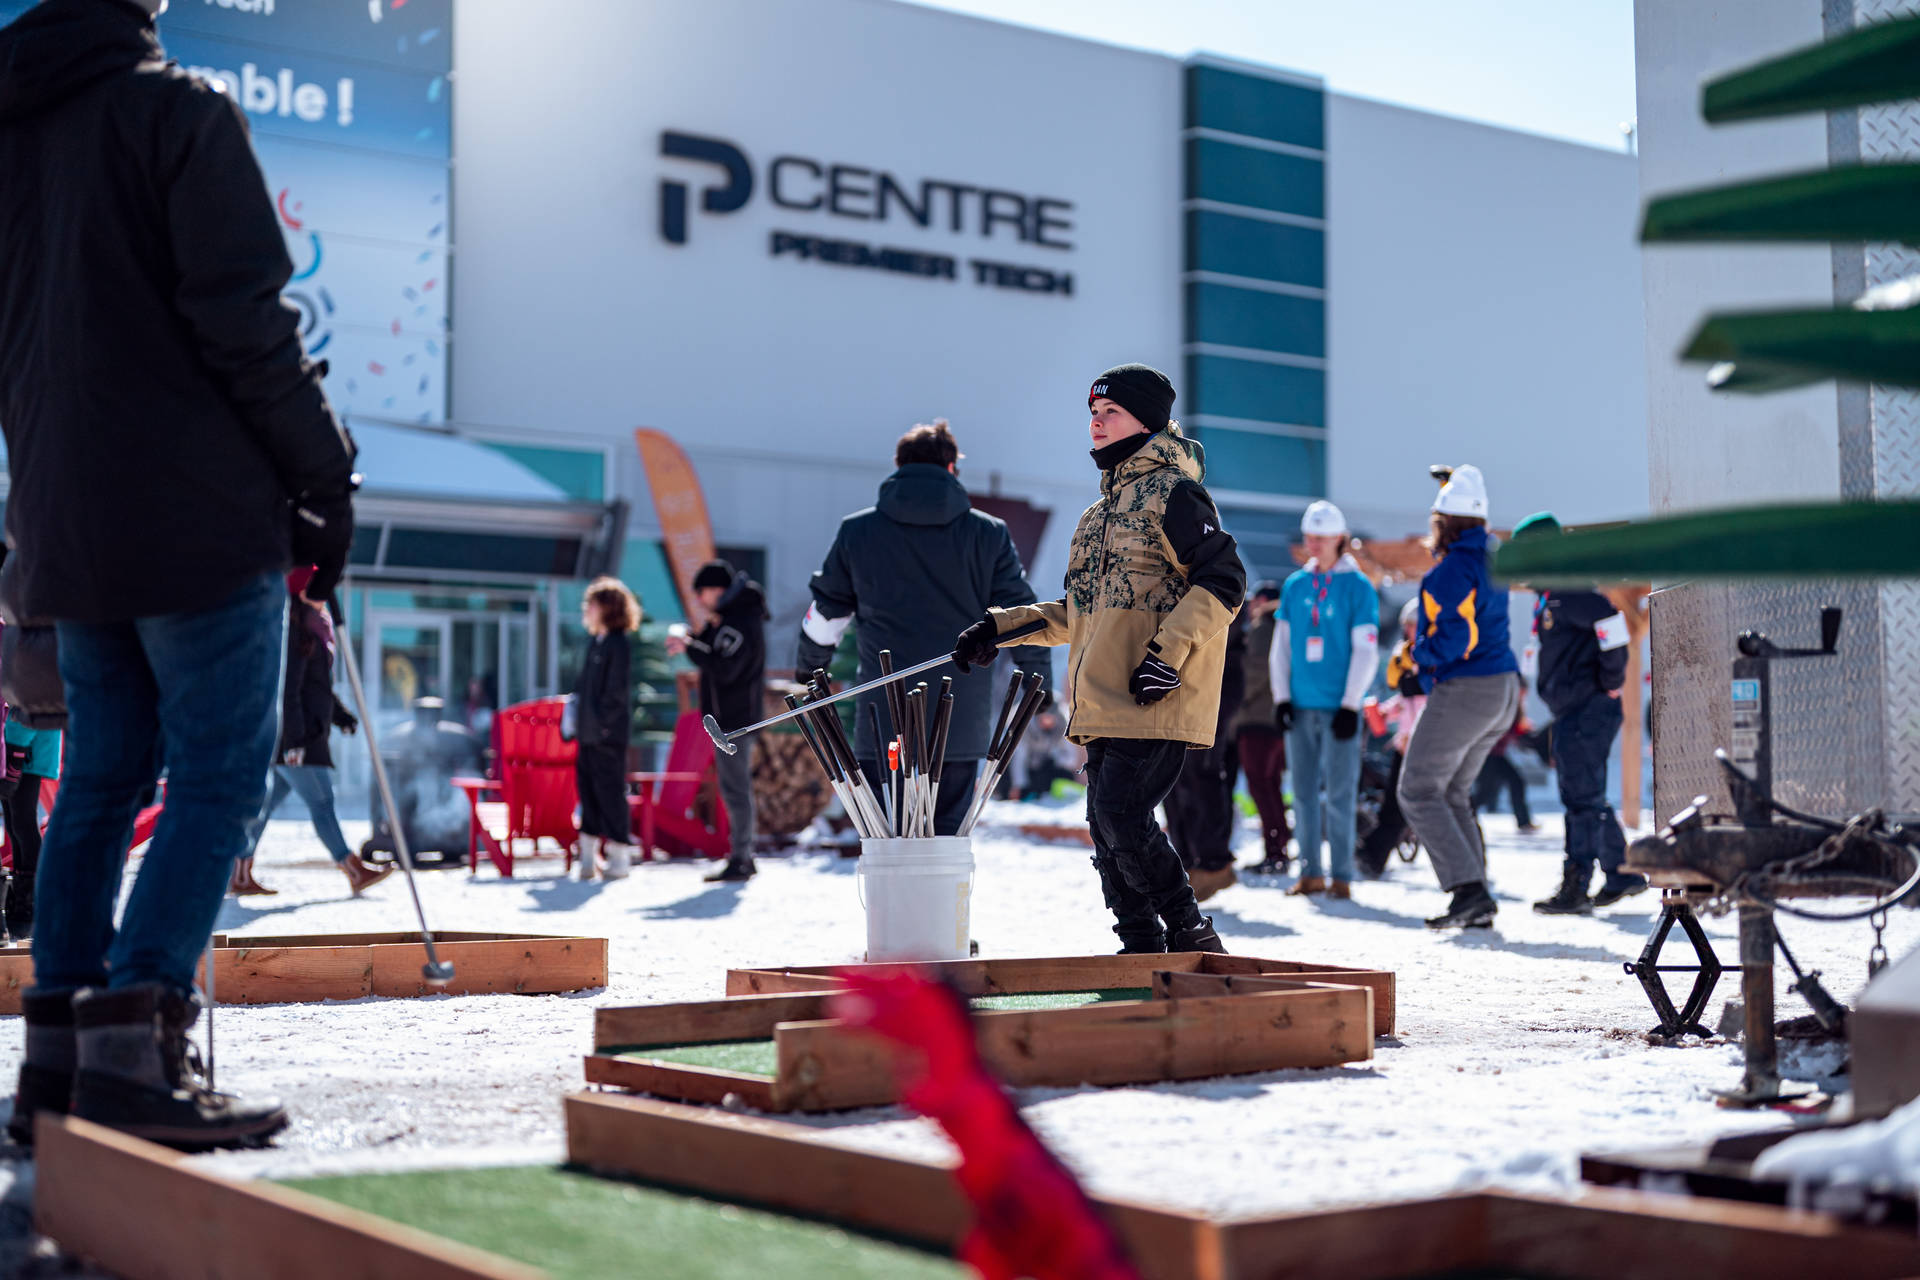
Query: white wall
point(1484, 305)
point(573, 315)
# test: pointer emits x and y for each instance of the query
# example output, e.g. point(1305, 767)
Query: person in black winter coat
point(603, 706)
point(731, 652)
point(1200, 810)
point(303, 762)
point(172, 455)
point(1583, 664)
point(915, 569)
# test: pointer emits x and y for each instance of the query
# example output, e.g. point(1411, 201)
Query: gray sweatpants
point(1463, 720)
point(736, 792)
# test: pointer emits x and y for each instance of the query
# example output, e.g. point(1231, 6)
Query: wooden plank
point(984, 977)
point(521, 966)
point(784, 1166)
point(1385, 986)
point(1168, 986)
point(1418, 1238)
point(705, 1021)
point(143, 1213)
point(709, 1086)
point(765, 982)
point(289, 975)
point(390, 938)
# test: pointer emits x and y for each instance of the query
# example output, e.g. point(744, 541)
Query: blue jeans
point(1582, 744)
point(1318, 759)
point(314, 785)
point(199, 695)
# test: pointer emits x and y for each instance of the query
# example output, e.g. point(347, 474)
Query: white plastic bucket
point(918, 897)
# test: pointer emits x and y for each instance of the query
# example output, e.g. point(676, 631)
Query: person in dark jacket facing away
point(603, 707)
point(1260, 744)
point(303, 762)
point(913, 570)
point(1583, 664)
point(172, 455)
point(731, 652)
point(1467, 668)
point(1200, 810)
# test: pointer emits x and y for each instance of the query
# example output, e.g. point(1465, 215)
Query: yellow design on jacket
point(1469, 614)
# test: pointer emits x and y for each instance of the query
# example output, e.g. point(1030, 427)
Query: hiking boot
point(1570, 899)
point(1198, 936)
point(1618, 885)
point(1472, 908)
point(46, 1072)
point(1207, 881)
point(361, 877)
point(1339, 889)
point(619, 861)
point(1143, 946)
point(139, 1074)
point(1369, 866)
point(243, 885)
point(1273, 865)
point(733, 871)
point(1307, 886)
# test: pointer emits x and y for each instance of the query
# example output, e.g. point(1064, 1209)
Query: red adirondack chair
point(143, 822)
point(675, 819)
point(535, 786)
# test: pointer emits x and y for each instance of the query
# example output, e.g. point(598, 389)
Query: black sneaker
point(1198, 936)
point(1472, 908)
point(139, 1073)
point(1570, 899)
point(733, 871)
point(1621, 884)
point(1271, 866)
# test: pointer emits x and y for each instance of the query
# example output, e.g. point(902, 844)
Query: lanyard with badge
point(1316, 643)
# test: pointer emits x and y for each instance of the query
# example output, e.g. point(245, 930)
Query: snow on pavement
point(1517, 1049)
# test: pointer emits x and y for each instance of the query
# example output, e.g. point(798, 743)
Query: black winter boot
point(1618, 885)
point(1198, 936)
point(139, 1074)
point(1143, 944)
point(46, 1072)
point(20, 906)
point(733, 871)
point(1472, 908)
point(1571, 897)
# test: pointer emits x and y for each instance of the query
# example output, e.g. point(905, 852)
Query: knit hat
point(1539, 524)
point(1323, 519)
point(1141, 390)
point(1268, 589)
point(714, 573)
point(1464, 494)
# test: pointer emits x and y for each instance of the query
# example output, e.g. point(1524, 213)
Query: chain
point(1877, 958)
point(1764, 879)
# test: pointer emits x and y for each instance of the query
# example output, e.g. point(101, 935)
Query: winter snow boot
point(584, 863)
point(139, 1074)
point(1307, 886)
point(1143, 944)
point(734, 870)
point(1273, 866)
point(619, 860)
point(1618, 885)
point(361, 877)
point(1472, 908)
point(1207, 881)
point(46, 1072)
point(1198, 936)
point(20, 906)
point(1571, 897)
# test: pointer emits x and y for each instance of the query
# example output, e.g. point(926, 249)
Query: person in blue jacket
point(1467, 668)
point(1326, 648)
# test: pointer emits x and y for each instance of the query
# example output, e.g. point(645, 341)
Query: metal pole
point(1756, 990)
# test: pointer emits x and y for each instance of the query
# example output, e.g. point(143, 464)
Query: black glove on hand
point(1409, 686)
point(322, 536)
point(1152, 680)
point(1283, 716)
point(344, 720)
point(976, 646)
point(1346, 723)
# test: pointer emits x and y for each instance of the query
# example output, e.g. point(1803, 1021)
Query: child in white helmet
point(1326, 647)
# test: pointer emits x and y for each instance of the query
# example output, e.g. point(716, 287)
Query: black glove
point(1283, 716)
point(322, 536)
point(1152, 680)
point(1346, 723)
point(344, 720)
point(1409, 686)
point(976, 646)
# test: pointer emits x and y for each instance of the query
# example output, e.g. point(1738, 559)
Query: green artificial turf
point(576, 1226)
point(757, 1057)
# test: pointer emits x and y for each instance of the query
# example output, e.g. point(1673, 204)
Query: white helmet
point(1464, 494)
point(1323, 518)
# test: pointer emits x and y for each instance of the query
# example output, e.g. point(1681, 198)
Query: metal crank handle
point(724, 742)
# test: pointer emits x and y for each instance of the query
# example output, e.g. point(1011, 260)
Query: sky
point(1563, 68)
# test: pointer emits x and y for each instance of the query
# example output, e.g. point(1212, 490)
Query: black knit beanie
point(714, 573)
point(1141, 390)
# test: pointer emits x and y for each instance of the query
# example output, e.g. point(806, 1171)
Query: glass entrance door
point(410, 656)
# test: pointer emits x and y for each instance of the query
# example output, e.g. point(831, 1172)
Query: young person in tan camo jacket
point(1152, 582)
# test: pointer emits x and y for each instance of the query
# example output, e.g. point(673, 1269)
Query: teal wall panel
point(1256, 106)
point(1230, 388)
point(1262, 250)
point(1230, 317)
point(1262, 463)
point(1262, 179)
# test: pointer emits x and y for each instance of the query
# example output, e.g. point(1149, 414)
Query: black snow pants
point(1140, 874)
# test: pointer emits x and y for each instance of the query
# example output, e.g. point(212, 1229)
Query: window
point(1261, 463)
point(1281, 393)
point(1249, 176)
point(1257, 106)
point(581, 474)
point(1231, 317)
point(1263, 250)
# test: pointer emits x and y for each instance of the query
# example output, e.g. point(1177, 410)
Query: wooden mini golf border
point(304, 968)
point(146, 1213)
point(824, 1065)
point(1081, 973)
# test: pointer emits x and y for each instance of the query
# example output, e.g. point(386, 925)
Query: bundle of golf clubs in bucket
point(915, 751)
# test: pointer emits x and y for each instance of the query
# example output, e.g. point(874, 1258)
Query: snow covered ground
point(1518, 1048)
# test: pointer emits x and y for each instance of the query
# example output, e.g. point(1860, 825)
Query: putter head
point(720, 742)
point(439, 973)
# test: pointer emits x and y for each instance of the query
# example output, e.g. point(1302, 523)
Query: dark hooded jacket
point(915, 570)
point(308, 706)
point(158, 407)
point(731, 652)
